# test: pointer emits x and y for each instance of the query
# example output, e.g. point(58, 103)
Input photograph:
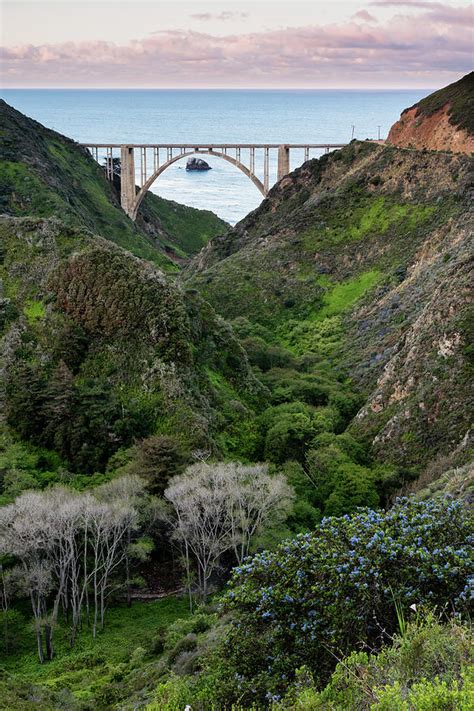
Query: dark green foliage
point(83, 421)
point(106, 351)
point(289, 428)
point(157, 459)
point(306, 513)
point(324, 593)
point(341, 482)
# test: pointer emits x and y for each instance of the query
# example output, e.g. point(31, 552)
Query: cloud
point(436, 11)
point(364, 15)
point(220, 16)
point(429, 49)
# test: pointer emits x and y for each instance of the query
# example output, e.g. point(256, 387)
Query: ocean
point(219, 116)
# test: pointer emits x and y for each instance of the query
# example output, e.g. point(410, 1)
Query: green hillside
point(44, 174)
point(236, 463)
point(117, 352)
point(350, 267)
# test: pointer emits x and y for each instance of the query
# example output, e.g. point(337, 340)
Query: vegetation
point(188, 229)
point(296, 612)
point(44, 174)
point(223, 508)
point(248, 469)
point(323, 593)
point(428, 667)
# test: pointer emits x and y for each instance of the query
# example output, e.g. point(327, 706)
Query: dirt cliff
point(443, 121)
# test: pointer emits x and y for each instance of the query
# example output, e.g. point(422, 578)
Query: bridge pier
point(283, 162)
point(130, 197)
point(127, 180)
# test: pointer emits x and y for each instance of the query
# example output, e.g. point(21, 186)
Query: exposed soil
point(434, 132)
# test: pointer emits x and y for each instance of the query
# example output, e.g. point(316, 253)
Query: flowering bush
point(322, 594)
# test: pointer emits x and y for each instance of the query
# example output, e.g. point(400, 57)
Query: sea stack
point(197, 164)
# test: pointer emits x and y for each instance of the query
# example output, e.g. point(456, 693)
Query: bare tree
point(256, 501)
point(201, 517)
point(111, 516)
point(222, 507)
point(67, 543)
point(24, 533)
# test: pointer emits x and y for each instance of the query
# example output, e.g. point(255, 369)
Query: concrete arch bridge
point(144, 163)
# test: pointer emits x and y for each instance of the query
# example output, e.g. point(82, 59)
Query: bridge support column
point(283, 162)
point(127, 180)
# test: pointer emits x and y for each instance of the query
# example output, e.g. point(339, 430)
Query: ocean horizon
point(219, 116)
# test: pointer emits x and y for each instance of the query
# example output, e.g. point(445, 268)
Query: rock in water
point(197, 164)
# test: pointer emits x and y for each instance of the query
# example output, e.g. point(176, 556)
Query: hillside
point(443, 121)
point(203, 474)
point(98, 349)
point(361, 262)
point(45, 174)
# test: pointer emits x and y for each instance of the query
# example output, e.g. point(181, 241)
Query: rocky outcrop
point(441, 122)
point(197, 164)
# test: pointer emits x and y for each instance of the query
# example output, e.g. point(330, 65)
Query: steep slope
point(443, 121)
point(45, 174)
point(361, 261)
point(98, 349)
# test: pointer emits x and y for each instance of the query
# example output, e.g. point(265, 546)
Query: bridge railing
point(261, 159)
point(142, 163)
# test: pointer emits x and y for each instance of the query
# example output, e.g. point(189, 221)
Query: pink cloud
point(430, 49)
point(364, 15)
point(436, 11)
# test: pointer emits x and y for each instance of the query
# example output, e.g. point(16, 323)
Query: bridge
point(143, 163)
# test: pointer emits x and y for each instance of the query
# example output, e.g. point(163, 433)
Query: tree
point(68, 544)
point(255, 501)
point(24, 533)
point(222, 507)
point(157, 459)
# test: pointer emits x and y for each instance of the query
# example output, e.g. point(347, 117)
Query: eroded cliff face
point(442, 121)
point(433, 132)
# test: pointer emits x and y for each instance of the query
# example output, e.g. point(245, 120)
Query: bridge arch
point(148, 183)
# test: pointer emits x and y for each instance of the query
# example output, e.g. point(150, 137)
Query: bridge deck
point(214, 145)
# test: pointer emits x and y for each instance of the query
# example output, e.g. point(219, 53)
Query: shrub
point(421, 671)
point(340, 484)
point(291, 427)
point(324, 593)
point(186, 644)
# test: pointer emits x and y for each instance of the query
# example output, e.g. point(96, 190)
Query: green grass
point(189, 229)
point(92, 662)
point(361, 216)
point(34, 311)
point(344, 295)
point(323, 331)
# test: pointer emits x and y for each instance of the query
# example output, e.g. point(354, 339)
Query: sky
point(259, 44)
